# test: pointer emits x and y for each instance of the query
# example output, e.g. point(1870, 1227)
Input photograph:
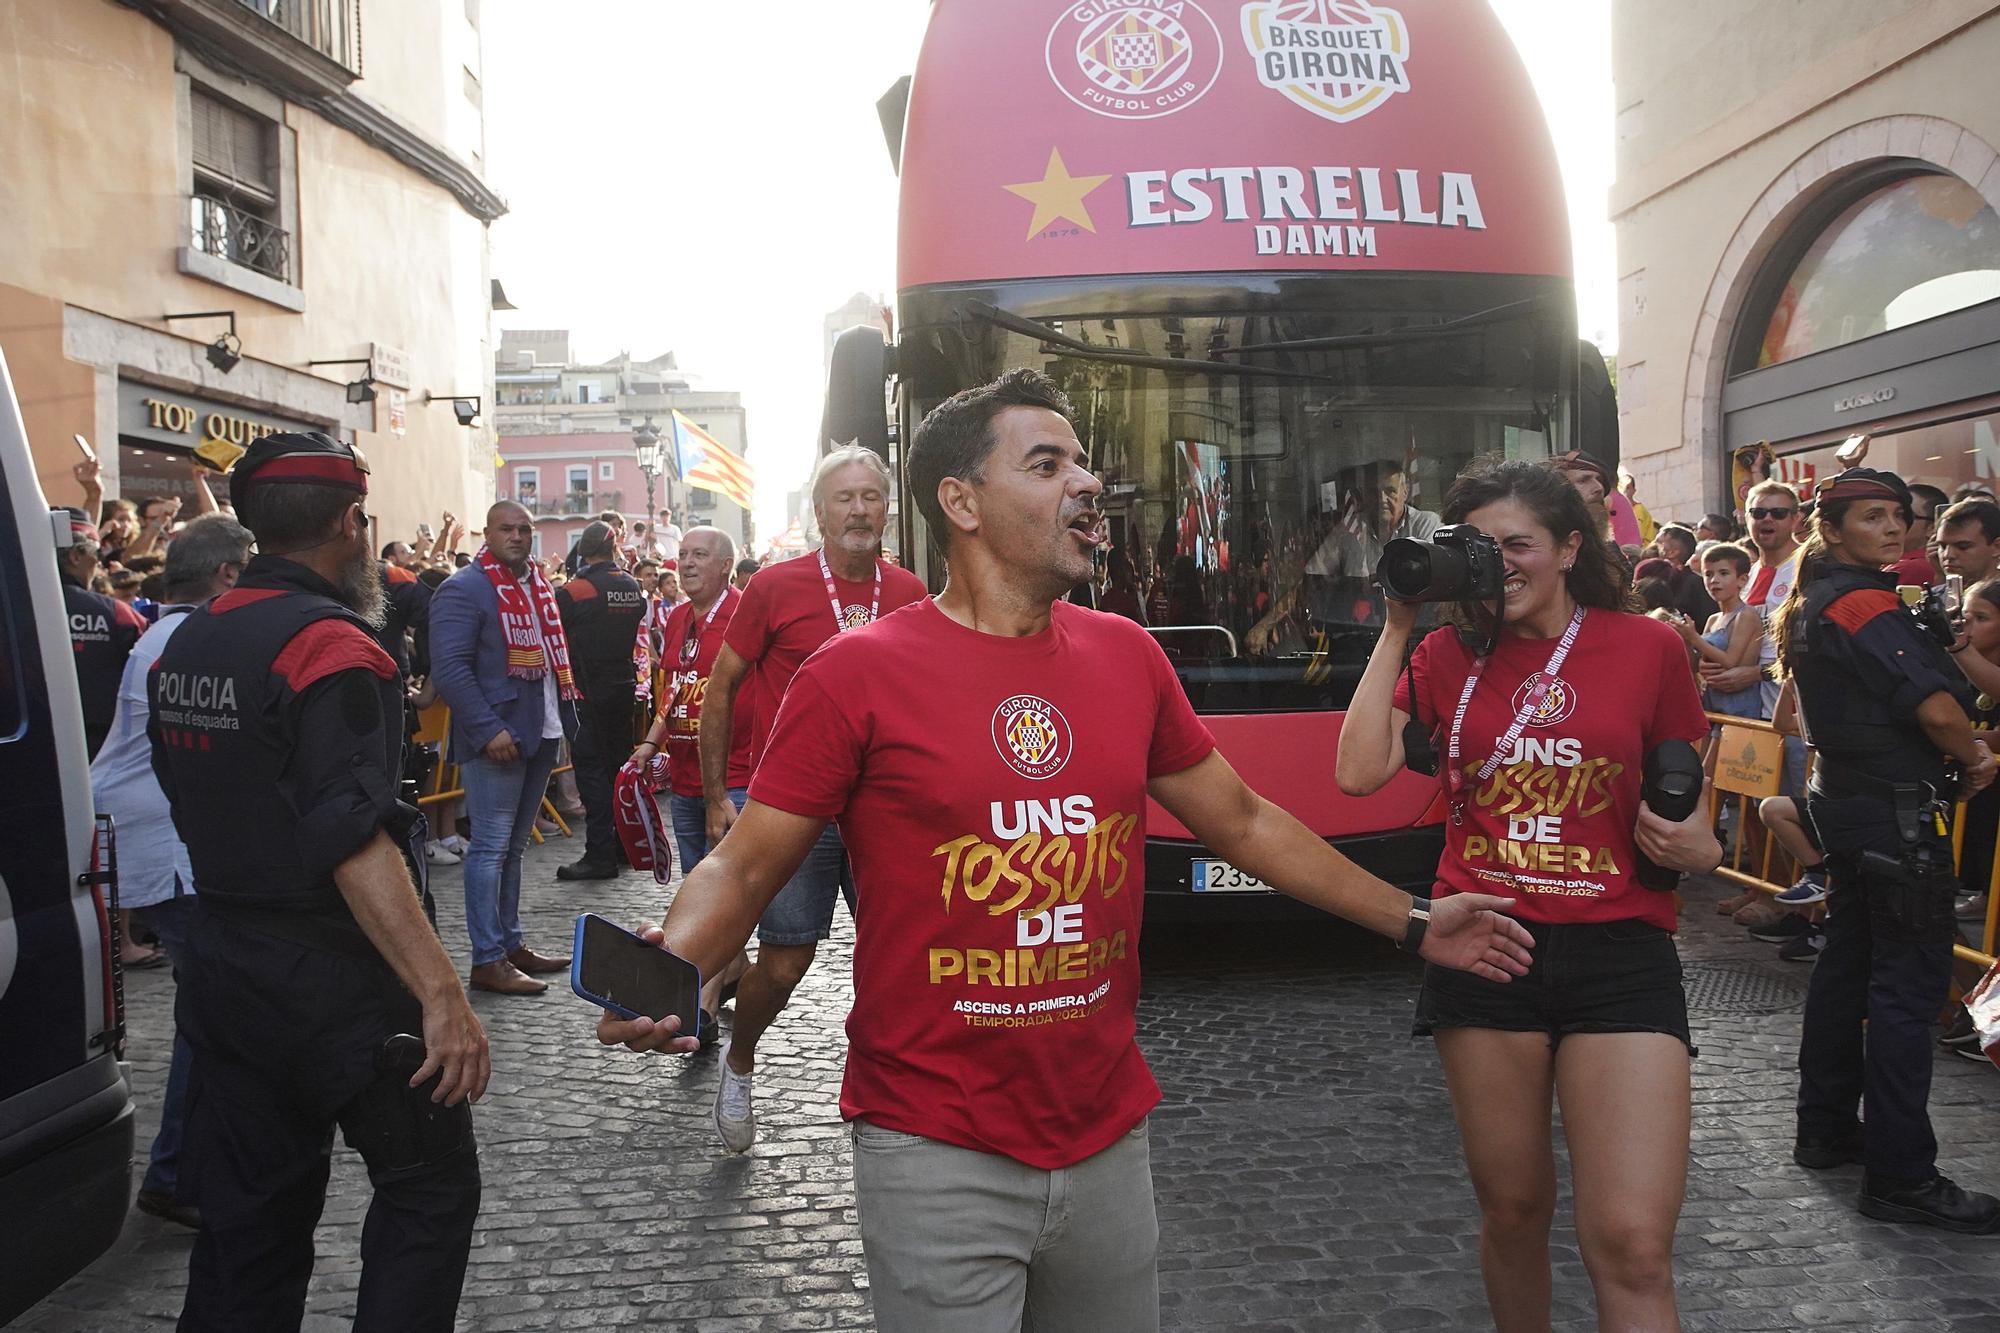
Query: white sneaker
point(440, 855)
point(454, 844)
point(735, 1118)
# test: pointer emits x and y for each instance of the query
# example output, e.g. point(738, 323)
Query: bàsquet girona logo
point(1134, 59)
point(1339, 59)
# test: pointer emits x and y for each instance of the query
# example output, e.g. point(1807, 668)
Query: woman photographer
point(1543, 725)
point(1887, 712)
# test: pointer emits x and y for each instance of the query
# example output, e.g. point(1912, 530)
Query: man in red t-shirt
point(989, 756)
point(786, 613)
point(691, 637)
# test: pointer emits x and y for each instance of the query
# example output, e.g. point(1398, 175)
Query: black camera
point(1458, 564)
point(1671, 788)
point(1936, 614)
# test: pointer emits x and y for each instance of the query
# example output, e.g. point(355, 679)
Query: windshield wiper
point(1450, 328)
point(1053, 337)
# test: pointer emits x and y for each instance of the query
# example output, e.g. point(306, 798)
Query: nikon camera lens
point(1414, 571)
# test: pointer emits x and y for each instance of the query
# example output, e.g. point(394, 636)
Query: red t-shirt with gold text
point(992, 795)
point(690, 644)
point(1552, 827)
point(786, 614)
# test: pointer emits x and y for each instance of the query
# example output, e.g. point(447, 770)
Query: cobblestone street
point(1304, 1156)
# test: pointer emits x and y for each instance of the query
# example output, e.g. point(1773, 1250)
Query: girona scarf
point(524, 603)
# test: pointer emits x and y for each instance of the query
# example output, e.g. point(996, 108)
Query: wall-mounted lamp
point(358, 391)
point(227, 349)
point(464, 406)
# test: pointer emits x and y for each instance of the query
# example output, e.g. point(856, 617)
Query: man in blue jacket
point(500, 659)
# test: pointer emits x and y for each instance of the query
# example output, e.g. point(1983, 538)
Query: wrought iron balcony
point(228, 232)
point(329, 27)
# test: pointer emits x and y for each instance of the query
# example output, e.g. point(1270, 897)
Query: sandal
point(1731, 906)
point(152, 958)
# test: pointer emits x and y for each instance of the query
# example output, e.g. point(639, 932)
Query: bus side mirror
point(1596, 406)
point(857, 410)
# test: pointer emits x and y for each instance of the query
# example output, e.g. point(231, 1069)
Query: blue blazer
point(469, 668)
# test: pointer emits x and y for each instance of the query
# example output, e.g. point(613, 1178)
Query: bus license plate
point(1221, 877)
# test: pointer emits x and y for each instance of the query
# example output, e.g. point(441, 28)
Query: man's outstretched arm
point(718, 905)
point(1258, 838)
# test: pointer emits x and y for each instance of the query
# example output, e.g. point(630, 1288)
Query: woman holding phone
point(1542, 718)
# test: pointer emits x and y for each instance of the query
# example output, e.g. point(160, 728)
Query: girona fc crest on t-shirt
point(1032, 736)
point(1558, 700)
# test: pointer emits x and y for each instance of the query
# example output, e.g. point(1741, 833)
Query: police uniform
point(602, 608)
point(1878, 800)
point(102, 631)
point(277, 735)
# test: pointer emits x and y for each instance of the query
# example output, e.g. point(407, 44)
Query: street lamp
point(652, 460)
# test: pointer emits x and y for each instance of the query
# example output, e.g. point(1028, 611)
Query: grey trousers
point(974, 1242)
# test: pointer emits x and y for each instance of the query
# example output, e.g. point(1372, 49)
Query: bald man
point(501, 660)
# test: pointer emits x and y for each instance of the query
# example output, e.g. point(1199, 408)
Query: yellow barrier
point(434, 728)
point(1749, 763)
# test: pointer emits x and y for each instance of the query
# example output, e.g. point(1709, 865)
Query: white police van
point(65, 1108)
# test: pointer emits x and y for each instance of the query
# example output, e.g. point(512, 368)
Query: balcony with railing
point(330, 27)
point(305, 47)
point(569, 504)
point(226, 231)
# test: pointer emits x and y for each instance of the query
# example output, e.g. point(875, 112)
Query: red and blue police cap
point(304, 458)
point(82, 532)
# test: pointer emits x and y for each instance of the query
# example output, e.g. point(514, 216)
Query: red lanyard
point(691, 641)
point(1544, 680)
point(840, 613)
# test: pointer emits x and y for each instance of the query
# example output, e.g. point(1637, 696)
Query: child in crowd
point(1733, 634)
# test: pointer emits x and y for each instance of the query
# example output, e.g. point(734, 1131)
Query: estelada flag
point(710, 465)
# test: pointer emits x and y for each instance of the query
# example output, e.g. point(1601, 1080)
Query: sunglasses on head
point(1773, 513)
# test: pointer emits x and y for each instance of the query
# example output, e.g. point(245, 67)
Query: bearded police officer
point(1887, 709)
point(601, 610)
point(277, 732)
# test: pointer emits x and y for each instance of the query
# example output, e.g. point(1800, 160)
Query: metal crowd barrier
point(1749, 764)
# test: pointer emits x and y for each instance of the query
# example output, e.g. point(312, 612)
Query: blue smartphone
point(614, 968)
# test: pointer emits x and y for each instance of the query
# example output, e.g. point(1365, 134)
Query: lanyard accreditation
point(846, 618)
point(1544, 680)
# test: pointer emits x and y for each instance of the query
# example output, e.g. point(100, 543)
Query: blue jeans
point(169, 920)
point(690, 816)
point(802, 913)
point(502, 801)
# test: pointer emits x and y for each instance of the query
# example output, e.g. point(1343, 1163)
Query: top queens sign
point(1051, 138)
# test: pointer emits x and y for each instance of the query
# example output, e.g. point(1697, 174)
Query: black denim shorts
point(1613, 976)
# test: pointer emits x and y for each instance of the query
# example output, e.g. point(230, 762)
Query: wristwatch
point(1419, 921)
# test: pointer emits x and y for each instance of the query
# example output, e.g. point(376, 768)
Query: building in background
point(1808, 245)
point(306, 178)
point(567, 436)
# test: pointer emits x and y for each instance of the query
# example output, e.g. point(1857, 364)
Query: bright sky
point(712, 179)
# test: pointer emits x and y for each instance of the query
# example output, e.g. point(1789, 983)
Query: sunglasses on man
point(1773, 513)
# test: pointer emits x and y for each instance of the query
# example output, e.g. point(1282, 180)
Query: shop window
point(1903, 252)
point(234, 202)
point(1944, 454)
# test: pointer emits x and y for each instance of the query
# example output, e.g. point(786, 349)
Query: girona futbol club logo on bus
point(1558, 699)
point(1134, 59)
point(1032, 736)
point(1339, 59)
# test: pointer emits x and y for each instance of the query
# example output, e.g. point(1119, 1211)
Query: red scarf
point(520, 609)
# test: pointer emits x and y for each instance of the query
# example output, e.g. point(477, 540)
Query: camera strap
point(1537, 696)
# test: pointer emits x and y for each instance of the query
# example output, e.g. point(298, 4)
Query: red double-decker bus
point(1295, 262)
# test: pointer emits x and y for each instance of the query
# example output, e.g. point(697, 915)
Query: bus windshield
point(1249, 495)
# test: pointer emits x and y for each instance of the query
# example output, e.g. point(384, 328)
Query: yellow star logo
point(1058, 195)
